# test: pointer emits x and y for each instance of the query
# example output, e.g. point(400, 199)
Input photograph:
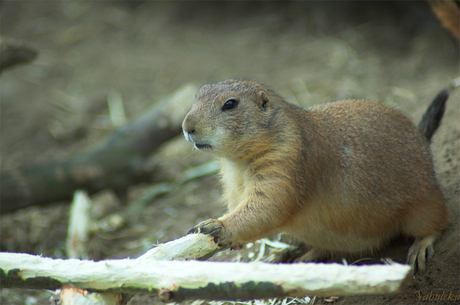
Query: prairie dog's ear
point(263, 101)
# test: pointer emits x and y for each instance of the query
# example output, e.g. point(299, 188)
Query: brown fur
point(342, 177)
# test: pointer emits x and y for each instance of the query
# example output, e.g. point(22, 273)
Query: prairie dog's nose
point(190, 131)
point(188, 125)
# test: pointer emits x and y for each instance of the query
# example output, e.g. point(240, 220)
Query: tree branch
point(116, 162)
point(13, 52)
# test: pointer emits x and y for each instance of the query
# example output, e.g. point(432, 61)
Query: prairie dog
point(342, 177)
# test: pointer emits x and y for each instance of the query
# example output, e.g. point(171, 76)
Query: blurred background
point(310, 52)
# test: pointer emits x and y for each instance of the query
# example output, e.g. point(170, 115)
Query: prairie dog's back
point(374, 141)
point(381, 170)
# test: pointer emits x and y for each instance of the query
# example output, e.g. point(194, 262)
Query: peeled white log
point(181, 280)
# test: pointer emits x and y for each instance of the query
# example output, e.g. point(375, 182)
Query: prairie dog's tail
point(433, 115)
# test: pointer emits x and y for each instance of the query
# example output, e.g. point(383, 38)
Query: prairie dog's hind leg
point(420, 252)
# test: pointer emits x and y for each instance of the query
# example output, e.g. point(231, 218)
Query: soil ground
point(395, 53)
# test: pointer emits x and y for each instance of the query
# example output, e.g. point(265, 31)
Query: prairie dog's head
point(229, 116)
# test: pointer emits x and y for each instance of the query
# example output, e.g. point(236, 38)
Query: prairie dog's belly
point(326, 240)
point(317, 234)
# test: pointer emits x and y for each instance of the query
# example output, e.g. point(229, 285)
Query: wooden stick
point(182, 280)
point(79, 220)
point(193, 246)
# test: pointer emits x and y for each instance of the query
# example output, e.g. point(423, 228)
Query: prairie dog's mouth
point(190, 138)
point(203, 146)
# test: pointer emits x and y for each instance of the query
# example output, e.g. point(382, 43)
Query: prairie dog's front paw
point(212, 227)
point(215, 228)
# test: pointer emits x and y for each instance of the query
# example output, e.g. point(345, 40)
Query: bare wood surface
point(181, 280)
point(193, 246)
point(79, 221)
point(70, 295)
point(116, 162)
point(13, 52)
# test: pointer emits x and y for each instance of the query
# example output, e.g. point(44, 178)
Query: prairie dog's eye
point(230, 104)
